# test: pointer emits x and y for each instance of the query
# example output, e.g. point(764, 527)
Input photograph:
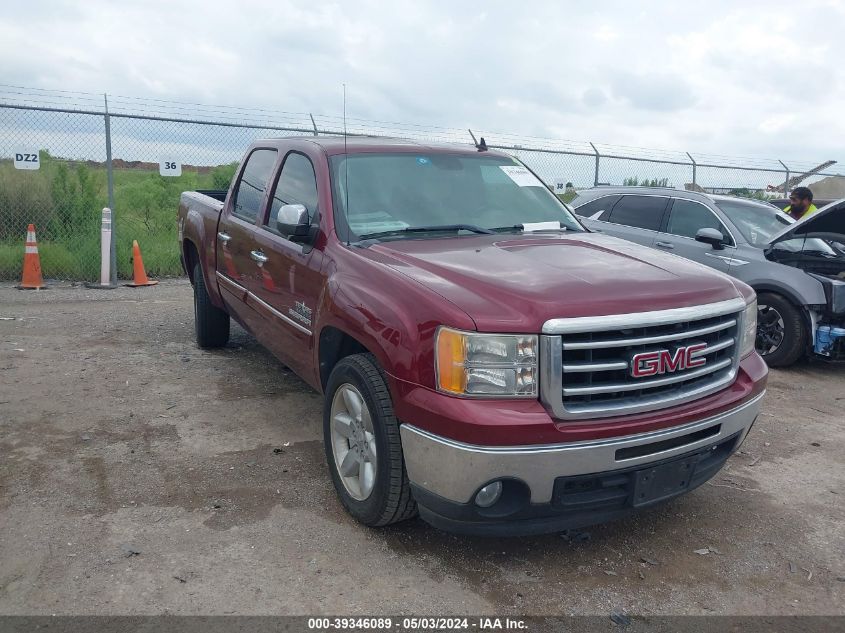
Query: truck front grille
point(619, 364)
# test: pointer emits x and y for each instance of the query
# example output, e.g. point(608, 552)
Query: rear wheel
point(781, 333)
point(212, 323)
point(363, 448)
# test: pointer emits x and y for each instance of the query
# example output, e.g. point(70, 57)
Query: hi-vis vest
point(810, 211)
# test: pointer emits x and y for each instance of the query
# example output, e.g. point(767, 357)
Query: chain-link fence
point(54, 171)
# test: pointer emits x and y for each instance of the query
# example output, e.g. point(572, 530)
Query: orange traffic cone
point(31, 279)
point(138, 268)
point(267, 280)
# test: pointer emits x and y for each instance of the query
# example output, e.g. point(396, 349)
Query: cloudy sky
point(762, 79)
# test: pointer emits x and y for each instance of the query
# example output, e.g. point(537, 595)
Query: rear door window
point(589, 209)
point(246, 202)
point(642, 212)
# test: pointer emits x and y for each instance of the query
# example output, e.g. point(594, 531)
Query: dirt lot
point(139, 474)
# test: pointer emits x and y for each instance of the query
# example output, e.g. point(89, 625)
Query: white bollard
point(105, 249)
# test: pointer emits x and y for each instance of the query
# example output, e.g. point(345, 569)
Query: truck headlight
point(473, 364)
point(748, 334)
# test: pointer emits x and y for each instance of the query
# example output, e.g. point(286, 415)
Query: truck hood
point(826, 223)
point(514, 283)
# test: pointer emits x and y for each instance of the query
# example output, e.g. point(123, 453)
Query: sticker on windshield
point(379, 222)
point(528, 227)
point(521, 176)
point(422, 160)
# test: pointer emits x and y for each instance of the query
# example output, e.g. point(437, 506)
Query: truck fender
point(353, 311)
point(194, 236)
point(786, 291)
point(399, 333)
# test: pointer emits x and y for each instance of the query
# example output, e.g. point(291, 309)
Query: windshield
point(759, 223)
point(398, 192)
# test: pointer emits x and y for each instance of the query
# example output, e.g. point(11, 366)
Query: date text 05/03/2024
point(416, 624)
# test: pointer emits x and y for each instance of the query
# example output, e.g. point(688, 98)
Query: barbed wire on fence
point(68, 131)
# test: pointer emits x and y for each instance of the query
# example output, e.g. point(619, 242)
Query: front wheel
point(363, 448)
point(781, 333)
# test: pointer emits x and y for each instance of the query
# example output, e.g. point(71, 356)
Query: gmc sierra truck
point(486, 361)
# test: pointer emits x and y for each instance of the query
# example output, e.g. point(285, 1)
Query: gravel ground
point(141, 475)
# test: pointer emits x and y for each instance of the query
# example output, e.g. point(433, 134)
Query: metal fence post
point(694, 181)
point(314, 124)
point(786, 181)
point(110, 179)
point(598, 156)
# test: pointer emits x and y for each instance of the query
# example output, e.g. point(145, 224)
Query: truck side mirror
point(713, 237)
point(292, 220)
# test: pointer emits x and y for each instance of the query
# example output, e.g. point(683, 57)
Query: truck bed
point(199, 212)
point(217, 194)
point(203, 200)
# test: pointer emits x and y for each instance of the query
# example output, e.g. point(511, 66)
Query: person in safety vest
point(800, 203)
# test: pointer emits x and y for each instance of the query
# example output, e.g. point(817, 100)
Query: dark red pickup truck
point(486, 361)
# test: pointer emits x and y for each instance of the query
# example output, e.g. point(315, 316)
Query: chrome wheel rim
point(353, 442)
point(770, 330)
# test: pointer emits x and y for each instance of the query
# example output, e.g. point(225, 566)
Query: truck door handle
point(258, 256)
point(668, 245)
point(224, 237)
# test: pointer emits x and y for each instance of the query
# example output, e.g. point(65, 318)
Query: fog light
point(489, 494)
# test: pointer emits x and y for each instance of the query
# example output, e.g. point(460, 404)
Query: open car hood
point(828, 223)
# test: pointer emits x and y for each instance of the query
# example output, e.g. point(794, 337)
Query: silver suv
point(797, 268)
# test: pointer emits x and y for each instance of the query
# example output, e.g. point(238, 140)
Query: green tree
point(24, 198)
point(745, 192)
point(633, 181)
point(76, 199)
point(222, 176)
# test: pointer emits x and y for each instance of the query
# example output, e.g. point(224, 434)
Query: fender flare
point(193, 232)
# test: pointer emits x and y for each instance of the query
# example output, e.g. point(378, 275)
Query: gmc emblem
point(665, 362)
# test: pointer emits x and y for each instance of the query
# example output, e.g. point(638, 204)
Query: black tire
point(390, 500)
point(773, 308)
point(212, 323)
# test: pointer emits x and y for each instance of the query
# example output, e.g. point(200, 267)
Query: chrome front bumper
point(455, 471)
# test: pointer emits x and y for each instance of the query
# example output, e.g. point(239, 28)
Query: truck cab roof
point(332, 145)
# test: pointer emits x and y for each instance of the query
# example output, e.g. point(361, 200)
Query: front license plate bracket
point(663, 482)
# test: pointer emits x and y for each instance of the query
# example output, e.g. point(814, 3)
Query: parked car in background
point(797, 268)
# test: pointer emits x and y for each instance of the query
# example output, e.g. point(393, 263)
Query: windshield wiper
point(429, 229)
point(447, 227)
point(521, 227)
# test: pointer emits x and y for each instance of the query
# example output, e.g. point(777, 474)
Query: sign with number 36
point(169, 167)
